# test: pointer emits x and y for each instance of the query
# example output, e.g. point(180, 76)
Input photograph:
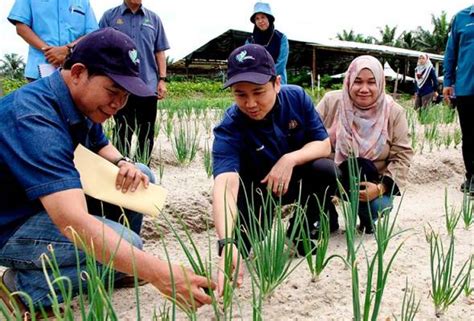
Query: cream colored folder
point(98, 180)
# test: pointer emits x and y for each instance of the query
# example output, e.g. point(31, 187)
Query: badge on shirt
point(119, 21)
point(147, 23)
point(292, 124)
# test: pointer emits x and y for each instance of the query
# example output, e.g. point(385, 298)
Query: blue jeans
point(23, 251)
point(380, 205)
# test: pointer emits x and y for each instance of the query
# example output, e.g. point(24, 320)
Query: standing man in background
point(459, 71)
point(146, 29)
point(51, 28)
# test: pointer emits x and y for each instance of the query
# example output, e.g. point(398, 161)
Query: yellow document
point(98, 180)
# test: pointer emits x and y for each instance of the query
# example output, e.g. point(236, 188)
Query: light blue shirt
point(146, 29)
point(56, 22)
point(459, 55)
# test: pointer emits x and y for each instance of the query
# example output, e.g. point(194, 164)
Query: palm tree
point(434, 41)
point(12, 66)
point(388, 35)
point(406, 40)
point(352, 36)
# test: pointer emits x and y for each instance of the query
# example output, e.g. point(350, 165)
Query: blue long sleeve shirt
point(459, 55)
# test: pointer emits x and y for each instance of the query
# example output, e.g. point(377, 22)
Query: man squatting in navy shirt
point(271, 139)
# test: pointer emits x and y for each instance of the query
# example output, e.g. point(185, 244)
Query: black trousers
point(138, 116)
point(465, 106)
point(316, 179)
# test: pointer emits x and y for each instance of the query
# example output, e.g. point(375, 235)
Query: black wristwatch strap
point(165, 79)
point(125, 159)
point(222, 243)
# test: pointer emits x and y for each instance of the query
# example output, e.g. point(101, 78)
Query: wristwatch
point(125, 159)
point(165, 79)
point(223, 242)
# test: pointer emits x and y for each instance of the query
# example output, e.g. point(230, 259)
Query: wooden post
point(314, 70)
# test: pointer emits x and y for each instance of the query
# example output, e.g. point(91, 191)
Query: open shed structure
point(316, 57)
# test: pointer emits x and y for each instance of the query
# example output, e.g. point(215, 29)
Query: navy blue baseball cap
point(115, 54)
point(250, 63)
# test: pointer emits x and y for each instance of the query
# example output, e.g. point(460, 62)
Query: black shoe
point(468, 187)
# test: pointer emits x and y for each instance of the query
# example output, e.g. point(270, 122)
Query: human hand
point(279, 177)
point(447, 93)
point(129, 177)
point(56, 55)
point(237, 262)
point(161, 89)
point(369, 191)
point(188, 286)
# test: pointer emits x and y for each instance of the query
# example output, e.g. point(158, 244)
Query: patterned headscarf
point(422, 71)
point(361, 130)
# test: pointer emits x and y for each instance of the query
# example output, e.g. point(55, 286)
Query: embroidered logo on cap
point(243, 56)
point(133, 54)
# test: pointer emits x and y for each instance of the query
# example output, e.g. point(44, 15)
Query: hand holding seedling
point(188, 286)
point(227, 269)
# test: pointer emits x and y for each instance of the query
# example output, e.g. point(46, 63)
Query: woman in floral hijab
point(365, 122)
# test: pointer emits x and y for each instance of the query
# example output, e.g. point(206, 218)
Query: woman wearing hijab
point(365, 122)
point(265, 34)
point(426, 82)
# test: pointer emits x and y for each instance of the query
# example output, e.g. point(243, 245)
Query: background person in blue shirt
point(41, 197)
point(459, 72)
point(265, 34)
point(146, 29)
point(50, 27)
point(271, 140)
point(426, 82)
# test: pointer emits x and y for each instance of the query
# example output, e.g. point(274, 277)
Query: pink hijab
point(361, 130)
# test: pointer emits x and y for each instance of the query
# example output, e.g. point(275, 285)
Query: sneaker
point(14, 305)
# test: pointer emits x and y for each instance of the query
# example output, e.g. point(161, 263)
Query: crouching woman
point(362, 120)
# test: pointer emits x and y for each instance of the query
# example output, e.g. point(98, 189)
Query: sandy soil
point(330, 298)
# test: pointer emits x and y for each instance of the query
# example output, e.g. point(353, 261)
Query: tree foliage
point(12, 66)
point(430, 40)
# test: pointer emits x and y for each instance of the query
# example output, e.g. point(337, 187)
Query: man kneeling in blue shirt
point(41, 197)
point(272, 140)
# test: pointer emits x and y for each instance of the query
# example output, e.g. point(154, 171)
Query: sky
point(190, 24)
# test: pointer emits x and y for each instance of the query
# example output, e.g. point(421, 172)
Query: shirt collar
point(124, 9)
point(68, 109)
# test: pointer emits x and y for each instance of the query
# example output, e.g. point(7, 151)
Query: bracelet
point(125, 159)
point(379, 189)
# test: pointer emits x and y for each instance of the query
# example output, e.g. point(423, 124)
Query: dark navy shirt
point(430, 85)
point(40, 128)
point(251, 147)
point(146, 29)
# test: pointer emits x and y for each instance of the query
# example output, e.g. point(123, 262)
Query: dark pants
point(138, 116)
point(316, 179)
point(368, 211)
point(465, 106)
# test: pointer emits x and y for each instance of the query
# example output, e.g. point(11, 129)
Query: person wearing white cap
point(265, 34)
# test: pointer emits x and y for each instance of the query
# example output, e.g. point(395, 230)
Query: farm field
point(181, 162)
